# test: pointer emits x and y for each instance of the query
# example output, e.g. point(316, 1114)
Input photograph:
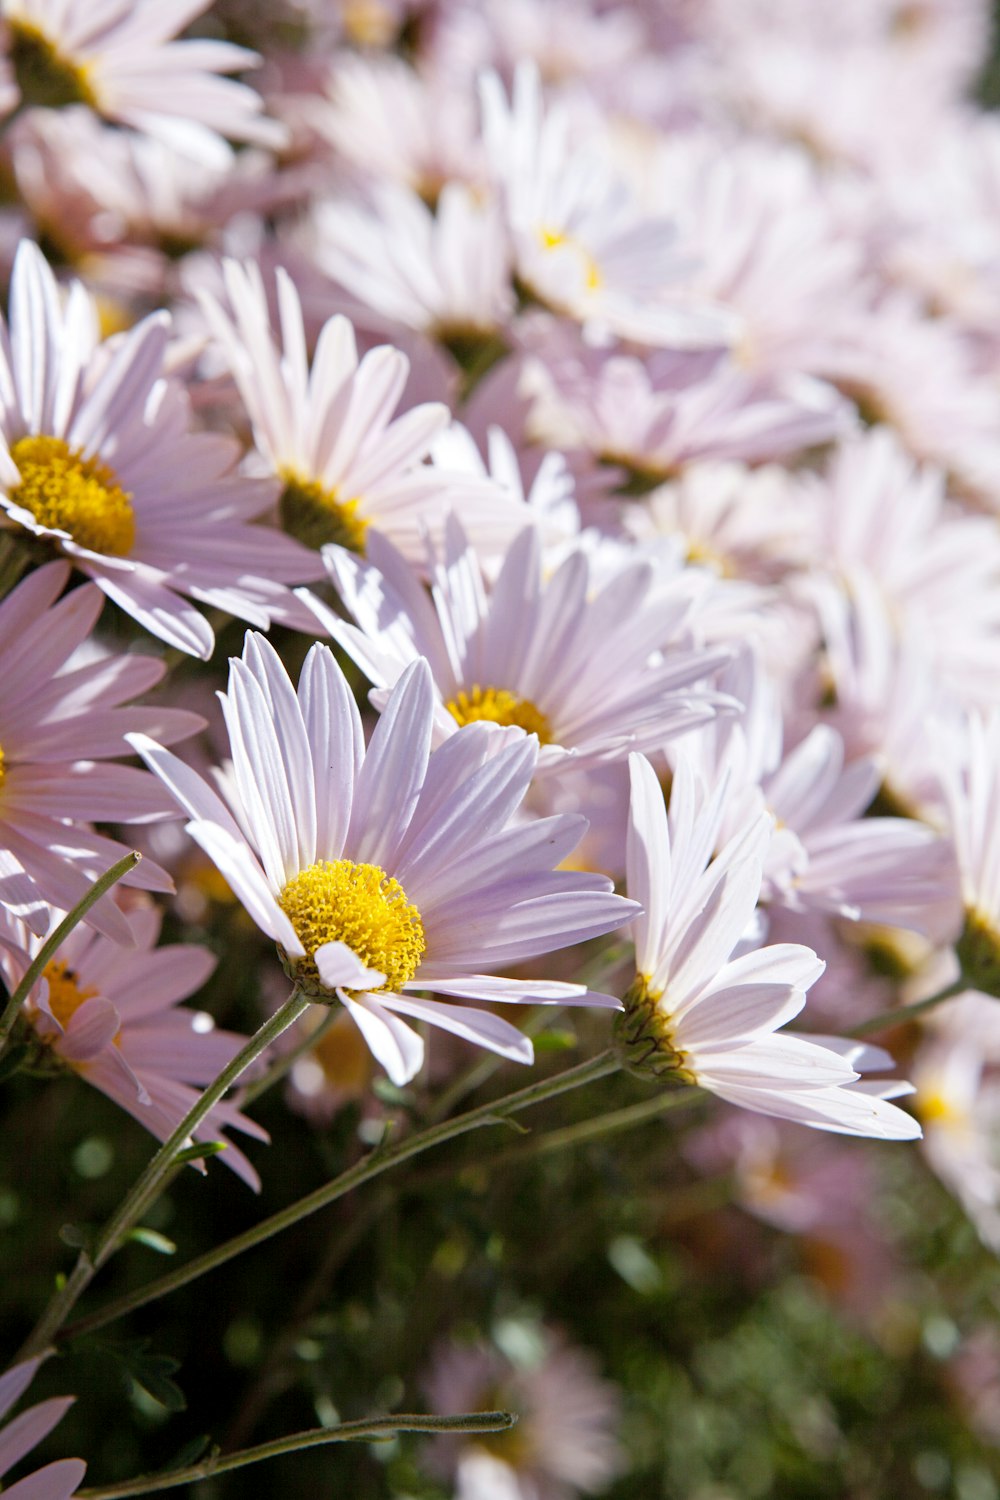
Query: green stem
point(55, 940)
point(373, 1165)
point(284, 1064)
point(903, 1013)
point(318, 1437)
point(151, 1182)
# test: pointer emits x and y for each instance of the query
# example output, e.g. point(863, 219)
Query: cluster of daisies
point(614, 392)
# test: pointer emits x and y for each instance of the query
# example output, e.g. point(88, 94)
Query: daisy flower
point(565, 1441)
point(391, 871)
point(56, 1481)
point(969, 775)
point(589, 669)
point(107, 1013)
point(120, 58)
point(712, 1019)
point(62, 722)
point(328, 432)
point(96, 459)
point(581, 244)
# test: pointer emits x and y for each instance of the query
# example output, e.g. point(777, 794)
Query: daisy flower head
point(700, 1013)
point(56, 1481)
point(565, 1442)
point(63, 716)
point(111, 1015)
point(969, 774)
point(391, 870)
point(121, 59)
point(581, 243)
point(589, 666)
point(96, 460)
point(327, 431)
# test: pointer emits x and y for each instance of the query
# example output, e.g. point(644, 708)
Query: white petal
point(390, 1040)
point(339, 966)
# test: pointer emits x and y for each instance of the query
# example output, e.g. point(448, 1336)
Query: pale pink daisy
point(56, 1481)
point(348, 467)
point(62, 725)
point(97, 459)
point(445, 272)
point(825, 854)
point(657, 416)
point(582, 243)
point(565, 1441)
point(713, 1019)
point(591, 667)
point(387, 872)
point(968, 755)
point(108, 1013)
point(120, 58)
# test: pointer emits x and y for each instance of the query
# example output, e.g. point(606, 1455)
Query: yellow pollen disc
point(315, 515)
point(554, 239)
point(67, 492)
point(44, 76)
point(934, 1108)
point(342, 902)
point(65, 994)
point(498, 706)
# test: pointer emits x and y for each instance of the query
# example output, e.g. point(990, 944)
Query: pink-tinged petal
point(293, 743)
point(389, 783)
point(163, 613)
point(336, 745)
point(779, 963)
point(15, 1381)
point(55, 1482)
point(477, 1026)
point(339, 966)
point(774, 1062)
point(258, 738)
point(474, 784)
point(647, 862)
point(28, 1429)
point(233, 859)
point(189, 789)
point(391, 1042)
point(90, 1030)
point(160, 980)
point(737, 1013)
point(492, 988)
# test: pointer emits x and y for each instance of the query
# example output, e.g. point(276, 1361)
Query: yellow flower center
point(67, 492)
point(554, 239)
point(65, 994)
point(357, 904)
point(315, 515)
point(935, 1108)
point(498, 706)
point(44, 76)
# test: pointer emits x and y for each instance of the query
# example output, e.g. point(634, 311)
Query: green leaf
point(153, 1240)
point(555, 1041)
point(195, 1153)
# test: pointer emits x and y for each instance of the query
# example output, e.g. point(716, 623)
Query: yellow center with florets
point(359, 905)
point(645, 1035)
point(498, 706)
point(315, 514)
point(65, 994)
point(65, 491)
point(44, 76)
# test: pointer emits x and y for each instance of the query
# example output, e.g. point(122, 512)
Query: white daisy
point(698, 1012)
point(120, 58)
point(62, 722)
point(328, 432)
point(592, 669)
point(96, 459)
point(387, 872)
